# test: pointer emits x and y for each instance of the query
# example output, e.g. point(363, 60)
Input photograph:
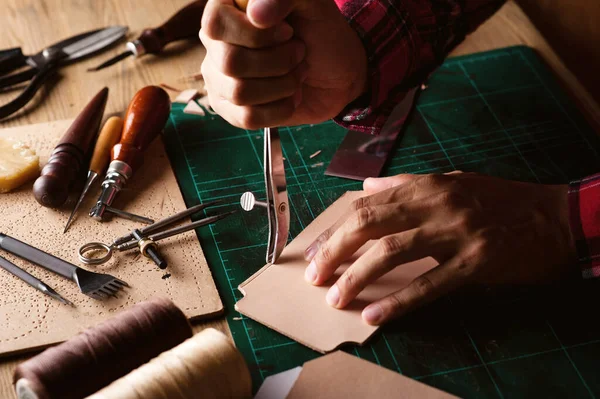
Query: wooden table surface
point(33, 24)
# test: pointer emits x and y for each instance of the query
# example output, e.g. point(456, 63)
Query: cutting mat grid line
point(499, 113)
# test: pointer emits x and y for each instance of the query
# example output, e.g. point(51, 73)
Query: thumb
point(374, 185)
point(268, 13)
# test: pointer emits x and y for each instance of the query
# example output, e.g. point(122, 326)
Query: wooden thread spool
point(205, 366)
point(99, 355)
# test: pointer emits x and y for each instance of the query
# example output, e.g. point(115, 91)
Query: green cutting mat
point(499, 113)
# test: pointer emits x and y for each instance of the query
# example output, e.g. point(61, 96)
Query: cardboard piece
point(340, 375)
point(186, 96)
point(279, 297)
point(30, 319)
point(279, 385)
point(193, 108)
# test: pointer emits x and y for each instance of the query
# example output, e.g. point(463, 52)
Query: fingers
point(268, 13)
point(367, 223)
point(374, 185)
point(240, 62)
point(422, 290)
point(254, 91)
point(222, 21)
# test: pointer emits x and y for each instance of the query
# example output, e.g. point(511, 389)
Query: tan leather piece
point(340, 375)
point(279, 297)
point(30, 319)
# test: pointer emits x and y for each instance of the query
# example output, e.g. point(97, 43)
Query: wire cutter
point(45, 63)
point(277, 199)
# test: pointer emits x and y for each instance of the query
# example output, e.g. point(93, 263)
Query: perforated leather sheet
point(30, 319)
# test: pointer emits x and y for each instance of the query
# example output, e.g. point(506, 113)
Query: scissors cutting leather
point(40, 66)
point(277, 199)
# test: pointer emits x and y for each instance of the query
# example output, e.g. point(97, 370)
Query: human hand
point(283, 62)
point(479, 229)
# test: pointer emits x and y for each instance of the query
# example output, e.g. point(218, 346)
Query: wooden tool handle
point(242, 4)
point(146, 116)
point(108, 138)
point(184, 24)
point(69, 158)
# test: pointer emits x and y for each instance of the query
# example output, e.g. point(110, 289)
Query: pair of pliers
point(45, 63)
point(278, 209)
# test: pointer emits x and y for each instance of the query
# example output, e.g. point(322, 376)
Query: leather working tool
point(45, 63)
point(145, 240)
point(362, 155)
point(69, 158)
point(145, 118)
point(184, 24)
point(109, 136)
point(31, 280)
point(278, 211)
point(95, 285)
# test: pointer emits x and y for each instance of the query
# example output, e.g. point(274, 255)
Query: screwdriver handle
point(241, 4)
point(69, 158)
point(146, 117)
point(108, 138)
point(185, 23)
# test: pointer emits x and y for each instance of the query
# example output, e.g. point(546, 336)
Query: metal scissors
point(277, 199)
point(45, 63)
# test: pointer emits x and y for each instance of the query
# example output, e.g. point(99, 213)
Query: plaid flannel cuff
point(584, 218)
point(392, 45)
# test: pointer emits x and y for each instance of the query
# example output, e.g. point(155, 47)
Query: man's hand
point(284, 62)
point(480, 229)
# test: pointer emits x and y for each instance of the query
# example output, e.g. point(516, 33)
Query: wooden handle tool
point(70, 156)
point(184, 24)
point(146, 116)
point(109, 136)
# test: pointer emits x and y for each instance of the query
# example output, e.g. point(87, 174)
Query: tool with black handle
point(95, 285)
point(184, 24)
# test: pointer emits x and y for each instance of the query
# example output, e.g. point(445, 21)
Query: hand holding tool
point(95, 285)
point(31, 280)
point(184, 24)
point(48, 61)
point(70, 156)
point(278, 211)
point(146, 116)
point(145, 241)
point(109, 136)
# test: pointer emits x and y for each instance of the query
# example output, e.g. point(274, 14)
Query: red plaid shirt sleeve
point(584, 214)
point(404, 41)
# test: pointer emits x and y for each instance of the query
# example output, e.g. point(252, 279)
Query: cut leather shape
point(340, 375)
point(279, 297)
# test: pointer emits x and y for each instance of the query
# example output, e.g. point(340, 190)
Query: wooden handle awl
point(108, 138)
point(146, 117)
point(69, 159)
point(185, 23)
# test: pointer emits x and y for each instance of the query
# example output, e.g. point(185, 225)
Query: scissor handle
point(11, 59)
point(95, 247)
point(22, 99)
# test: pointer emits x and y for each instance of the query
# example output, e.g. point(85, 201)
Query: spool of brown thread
point(93, 359)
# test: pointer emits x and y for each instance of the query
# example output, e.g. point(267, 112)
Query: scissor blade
point(94, 42)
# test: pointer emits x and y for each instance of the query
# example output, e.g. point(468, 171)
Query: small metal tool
point(184, 24)
point(31, 280)
point(278, 211)
point(361, 155)
point(109, 136)
point(48, 61)
point(144, 240)
point(95, 285)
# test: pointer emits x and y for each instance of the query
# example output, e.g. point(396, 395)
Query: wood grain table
point(33, 24)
